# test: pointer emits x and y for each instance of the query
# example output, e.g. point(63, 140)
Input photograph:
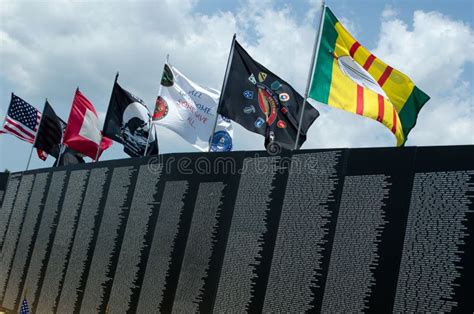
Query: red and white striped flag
point(22, 120)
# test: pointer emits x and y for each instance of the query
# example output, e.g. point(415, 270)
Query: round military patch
point(221, 142)
point(259, 122)
point(281, 124)
point(161, 109)
point(284, 97)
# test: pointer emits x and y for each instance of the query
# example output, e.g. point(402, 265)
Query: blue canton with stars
point(24, 309)
point(23, 112)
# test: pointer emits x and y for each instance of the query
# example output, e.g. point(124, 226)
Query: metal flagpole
point(61, 151)
point(150, 121)
point(29, 159)
point(101, 135)
point(98, 148)
point(317, 42)
point(224, 83)
point(148, 138)
point(63, 147)
point(5, 117)
point(34, 142)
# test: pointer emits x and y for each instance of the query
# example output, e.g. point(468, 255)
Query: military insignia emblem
point(276, 85)
point(161, 109)
point(281, 124)
point(167, 78)
point(262, 76)
point(284, 97)
point(259, 122)
point(221, 142)
point(249, 109)
point(268, 102)
point(248, 94)
point(252, 79)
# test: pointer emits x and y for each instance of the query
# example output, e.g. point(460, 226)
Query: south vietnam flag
point(347, 76)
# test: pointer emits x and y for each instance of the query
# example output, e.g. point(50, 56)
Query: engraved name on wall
point(63, 239)
point(308, 207)
point(434, 245)
point(107, 247)
point(245, 239)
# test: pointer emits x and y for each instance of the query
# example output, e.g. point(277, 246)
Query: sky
point(48, 48)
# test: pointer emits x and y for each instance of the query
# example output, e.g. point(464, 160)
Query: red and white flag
point(83, 132)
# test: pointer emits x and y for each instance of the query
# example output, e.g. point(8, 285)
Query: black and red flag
point(262, 102)
point(50, 132)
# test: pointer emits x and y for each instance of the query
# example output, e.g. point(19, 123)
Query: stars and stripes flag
point(24, 309)
point(22, 120)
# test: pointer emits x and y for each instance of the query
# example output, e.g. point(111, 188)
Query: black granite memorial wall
point(3, 185)
point(337, 230)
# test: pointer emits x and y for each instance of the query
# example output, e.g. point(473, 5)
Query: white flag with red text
point(190, 110)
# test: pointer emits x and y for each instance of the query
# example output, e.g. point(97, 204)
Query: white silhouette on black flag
point(128, 122)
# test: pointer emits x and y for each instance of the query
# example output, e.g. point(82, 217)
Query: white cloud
point(434, 52)
point(389, 12)
point(447, 120)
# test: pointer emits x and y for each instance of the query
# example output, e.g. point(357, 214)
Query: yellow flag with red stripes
point(347, 76)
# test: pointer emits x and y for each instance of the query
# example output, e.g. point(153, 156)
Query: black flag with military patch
point(128, 122)
point(263, 103)
point(50, 132)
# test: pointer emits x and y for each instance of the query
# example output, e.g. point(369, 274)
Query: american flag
point(24, 309)
point(22, 120)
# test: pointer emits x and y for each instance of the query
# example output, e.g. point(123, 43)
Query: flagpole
point(63, 147)
point(29, 159)
point(151, 119)
point(101, 135)
point(224, 83)
point(317, 42)
point(36, 135)
point(61, 152)
point(98, 148)
point(5, 117)
point(148, 138)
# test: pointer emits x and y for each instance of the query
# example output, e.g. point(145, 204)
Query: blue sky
point(47, 48)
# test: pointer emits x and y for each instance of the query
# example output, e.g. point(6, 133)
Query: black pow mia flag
point(50, 132)
point(263, 103)
point(128, 122)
